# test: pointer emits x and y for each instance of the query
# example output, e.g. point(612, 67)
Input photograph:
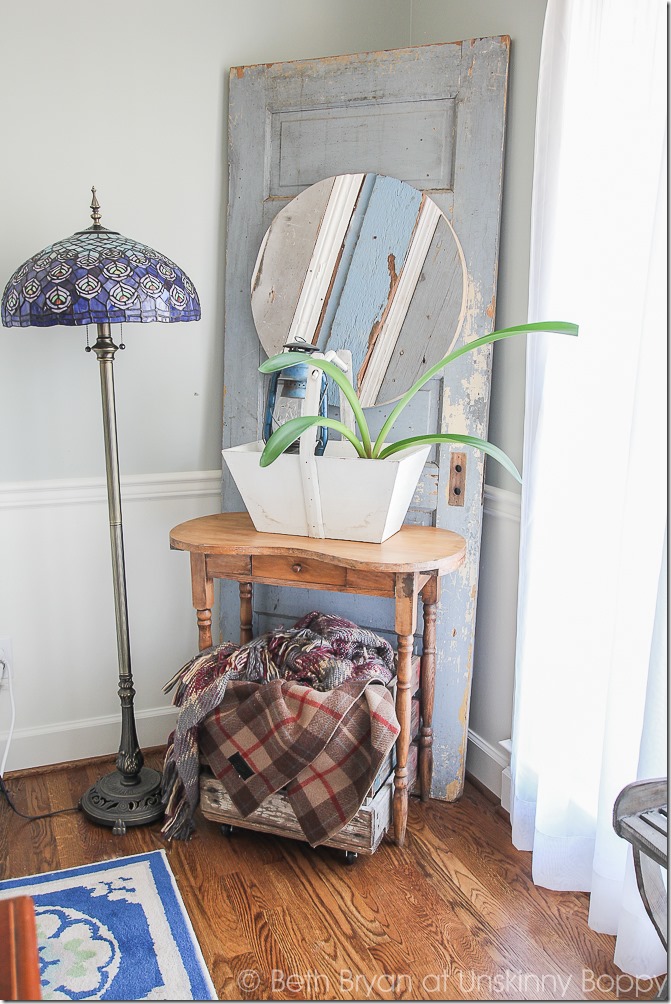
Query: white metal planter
point(339, 495)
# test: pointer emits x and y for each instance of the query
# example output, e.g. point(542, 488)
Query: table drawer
point(298, 571)
point(372, 583)
point(224, 565)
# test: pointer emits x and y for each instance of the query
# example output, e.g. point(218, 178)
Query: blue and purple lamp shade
point(98, 276)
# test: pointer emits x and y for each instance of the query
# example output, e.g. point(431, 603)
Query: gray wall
point(444, 20)
point(133, 99)
point(494, 656)
point(135, 103)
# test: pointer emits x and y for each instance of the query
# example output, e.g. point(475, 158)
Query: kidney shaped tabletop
point(411, 549)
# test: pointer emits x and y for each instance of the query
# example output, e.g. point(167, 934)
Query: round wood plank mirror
point(367, 263)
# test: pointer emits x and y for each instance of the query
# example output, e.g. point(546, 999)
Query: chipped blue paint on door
point(433, 116)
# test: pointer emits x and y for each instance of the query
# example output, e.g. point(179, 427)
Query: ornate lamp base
point(111, 802)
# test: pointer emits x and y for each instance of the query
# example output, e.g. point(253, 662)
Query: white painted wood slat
point(305, 323)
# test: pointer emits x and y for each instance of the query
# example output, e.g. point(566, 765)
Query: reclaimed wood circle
point(367, 263)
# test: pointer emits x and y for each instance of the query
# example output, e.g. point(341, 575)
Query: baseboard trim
point(98, 737)
point(85, 491)
point(486, 763)
point(495, 753)
point(88, 738)
point(486, 792)
point(499, 808)
point(104, 760)
point(506, 789)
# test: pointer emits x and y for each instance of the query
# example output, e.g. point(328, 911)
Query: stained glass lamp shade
point(99, 277)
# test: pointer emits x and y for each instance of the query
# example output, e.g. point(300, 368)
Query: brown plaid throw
point(324, 747)
point(321, 652)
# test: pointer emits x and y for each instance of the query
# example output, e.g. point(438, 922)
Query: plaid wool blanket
point(292, 709)
point(325, 748)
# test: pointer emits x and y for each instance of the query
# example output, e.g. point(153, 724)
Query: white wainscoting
point(57, 607)
point(494, 657)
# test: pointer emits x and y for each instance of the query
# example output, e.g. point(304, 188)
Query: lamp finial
point(95, 206)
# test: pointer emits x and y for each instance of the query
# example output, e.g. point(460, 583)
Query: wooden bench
point(640, 817)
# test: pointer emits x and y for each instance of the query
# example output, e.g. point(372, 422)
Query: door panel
point(314, 144)
point(433, 116)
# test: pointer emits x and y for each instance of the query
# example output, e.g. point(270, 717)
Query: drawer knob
point(297, 567)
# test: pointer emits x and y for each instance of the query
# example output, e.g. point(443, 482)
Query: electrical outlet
point(6, 658)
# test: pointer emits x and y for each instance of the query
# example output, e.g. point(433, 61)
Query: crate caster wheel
point(227, 830)
point(350, 857)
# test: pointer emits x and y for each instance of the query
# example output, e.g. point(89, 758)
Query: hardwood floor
point(453, 915)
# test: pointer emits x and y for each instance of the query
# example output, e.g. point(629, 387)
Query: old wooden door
point(433, 116)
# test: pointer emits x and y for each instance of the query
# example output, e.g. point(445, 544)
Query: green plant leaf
point(284, 359)
point(288, 433)
point(558, 327)
point(447, 437)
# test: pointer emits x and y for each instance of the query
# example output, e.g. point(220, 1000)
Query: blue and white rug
point(115, 931)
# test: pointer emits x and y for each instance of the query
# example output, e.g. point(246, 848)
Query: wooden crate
point(363, 833)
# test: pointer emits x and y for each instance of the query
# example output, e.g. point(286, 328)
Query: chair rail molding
point(73, 491)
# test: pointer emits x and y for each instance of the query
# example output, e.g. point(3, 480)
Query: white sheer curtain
point(591, 667)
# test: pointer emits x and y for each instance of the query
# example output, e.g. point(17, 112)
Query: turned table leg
point(406, 621)
point(202, 591)
point(245, 612)
point(427, 681)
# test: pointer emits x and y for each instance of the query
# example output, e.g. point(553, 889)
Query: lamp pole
point(133, 794)
point(98, 276)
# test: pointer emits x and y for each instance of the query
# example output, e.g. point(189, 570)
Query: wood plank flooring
point(453, 915)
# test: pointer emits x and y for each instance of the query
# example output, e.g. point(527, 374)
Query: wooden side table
point(405, 567)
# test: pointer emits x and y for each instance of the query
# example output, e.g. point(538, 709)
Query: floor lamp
point(99, 277)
